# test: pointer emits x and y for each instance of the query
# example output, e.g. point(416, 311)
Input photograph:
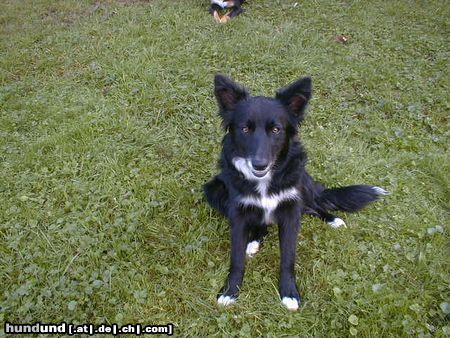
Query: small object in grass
point(377, 287)
point(225, 18)
point(72, 305)
point(233, 8)
point(445, 307)
point(353, 320)
point(221, 19)
point(340, 38)
point(217, 16)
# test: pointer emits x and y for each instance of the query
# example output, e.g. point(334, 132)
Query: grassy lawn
point(108, 129)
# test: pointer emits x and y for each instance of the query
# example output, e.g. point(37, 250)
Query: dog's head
point(260, 127)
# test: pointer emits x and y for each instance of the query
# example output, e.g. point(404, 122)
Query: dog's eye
point(245, 130)
point(276, 130)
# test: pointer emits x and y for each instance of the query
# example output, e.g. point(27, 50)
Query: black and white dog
point(218, 5)
point(263, 180)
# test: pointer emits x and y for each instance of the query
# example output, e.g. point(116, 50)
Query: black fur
point(265, 132)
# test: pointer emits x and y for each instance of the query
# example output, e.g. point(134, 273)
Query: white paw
point(290, 303)
point(252, 248)
point(337, 223)
point(226, 300)
point(380, 191)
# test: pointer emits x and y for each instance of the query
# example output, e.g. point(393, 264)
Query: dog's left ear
point(295, 97)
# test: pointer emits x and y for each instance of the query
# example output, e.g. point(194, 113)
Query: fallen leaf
point(340, 38)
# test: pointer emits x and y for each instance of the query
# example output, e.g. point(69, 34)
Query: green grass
point(108, 129)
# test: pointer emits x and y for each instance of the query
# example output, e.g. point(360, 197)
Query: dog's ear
point(295, 97)
point(228, 93)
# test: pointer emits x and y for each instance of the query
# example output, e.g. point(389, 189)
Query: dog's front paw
point(290, 303)
point(226, 300)
point(290, 298)
point(227, 295)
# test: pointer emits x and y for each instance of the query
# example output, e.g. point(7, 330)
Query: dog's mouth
point(244, 166)
point(260, 173)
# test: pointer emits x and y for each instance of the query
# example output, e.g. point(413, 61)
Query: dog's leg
point(257, 235)
point(313, 205)
point(239, 238)
point(288, 228)
point(216, 194)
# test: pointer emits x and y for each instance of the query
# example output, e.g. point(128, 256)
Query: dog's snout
point(259, 164)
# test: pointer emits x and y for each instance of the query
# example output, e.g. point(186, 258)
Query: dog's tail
point(216, 194)
point(351, 198)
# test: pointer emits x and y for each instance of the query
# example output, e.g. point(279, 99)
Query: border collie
point(218, 5)
point(263, 180)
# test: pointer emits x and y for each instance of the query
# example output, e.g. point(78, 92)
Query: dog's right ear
point(228, 94)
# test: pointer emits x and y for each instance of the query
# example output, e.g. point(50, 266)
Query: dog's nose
point(259, 165)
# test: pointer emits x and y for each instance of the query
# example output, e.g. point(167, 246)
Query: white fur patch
point(337, 223)
point(220, 3)
point(290, 303)
point(270, 202)
point(380, 191)
point(244, 166)
point(252, 248)
point(267, 202)
point(263, 184)
point(226, 300)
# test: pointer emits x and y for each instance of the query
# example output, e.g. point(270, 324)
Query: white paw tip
point(337, 223)
point(380, 191)
point(226, 300)
point(290, 303)
point(252, 248)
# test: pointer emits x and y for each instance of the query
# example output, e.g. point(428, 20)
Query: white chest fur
point(269, 202)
